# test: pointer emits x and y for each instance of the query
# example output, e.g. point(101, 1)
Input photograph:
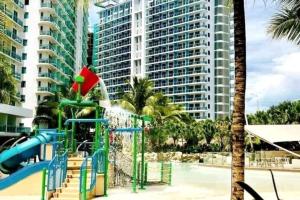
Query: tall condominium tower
point(55, 47)
point(12, 54)
point(183, 46)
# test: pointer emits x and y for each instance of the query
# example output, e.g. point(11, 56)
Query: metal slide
point(11, 160)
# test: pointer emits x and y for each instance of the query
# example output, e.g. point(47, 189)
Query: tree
point(222, 135)
point(47, 110)
point(208, 129)
point(8, 84)
point(238, 117)
point(286, 22)
point(135, 100)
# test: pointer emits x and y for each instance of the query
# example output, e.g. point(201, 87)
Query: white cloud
point(279, 84)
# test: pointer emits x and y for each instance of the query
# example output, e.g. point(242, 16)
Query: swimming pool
point(195, 182)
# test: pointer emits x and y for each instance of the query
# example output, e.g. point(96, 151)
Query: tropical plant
point(8, 84)
point(287, 112)
point(208, 130)
point(223, 133)
point(47, 110)
point(286, 22)
point(238, 116)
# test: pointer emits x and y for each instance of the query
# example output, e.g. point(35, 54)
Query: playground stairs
point(70, 189)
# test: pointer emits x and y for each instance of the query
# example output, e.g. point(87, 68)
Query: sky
point(273, 69)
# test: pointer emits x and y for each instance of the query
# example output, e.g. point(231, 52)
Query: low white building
point(10, 120)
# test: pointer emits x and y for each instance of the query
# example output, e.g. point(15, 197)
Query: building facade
point(183, 46)
point(12, 53)
point(55, 32)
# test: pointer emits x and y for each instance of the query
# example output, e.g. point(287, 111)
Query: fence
point(96, 164)
point(158, 173)
point(57, 172)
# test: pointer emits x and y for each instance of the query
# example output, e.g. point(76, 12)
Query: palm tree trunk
point(238, 120)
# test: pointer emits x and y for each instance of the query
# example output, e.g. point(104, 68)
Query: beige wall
point(31, 185)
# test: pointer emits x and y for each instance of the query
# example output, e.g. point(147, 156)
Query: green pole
point(97, 131)
point(59, 123)
point(146, 173)
point(44, 183)
point(143, 152)
point(83, 194)
point(106, 151)
point(73, 148)
point(161, 171)
point(134, 156)
point(66, 137)
point(170, 174)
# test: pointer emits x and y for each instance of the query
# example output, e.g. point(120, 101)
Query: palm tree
point(238, 117)
point(47, 110)
point(8, 84)
point(286, 22)
point(135, 100)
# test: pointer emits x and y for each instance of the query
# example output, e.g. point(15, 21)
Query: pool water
point(195, 182)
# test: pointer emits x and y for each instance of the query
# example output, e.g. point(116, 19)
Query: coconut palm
point(238, 116)
point(8, 84)
point(223, 133)
point(135, 100)
point(286, 22)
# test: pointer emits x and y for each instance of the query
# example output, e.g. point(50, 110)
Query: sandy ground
point(194, 182)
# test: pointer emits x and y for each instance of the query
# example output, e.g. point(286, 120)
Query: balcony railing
point(11, 35)
point(19, 3)
point(11, 54)
point(46, 89)
point(10, 15)
point(17, 75)
point(14, 129)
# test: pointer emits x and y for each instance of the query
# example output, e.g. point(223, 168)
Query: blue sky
point(273, 69)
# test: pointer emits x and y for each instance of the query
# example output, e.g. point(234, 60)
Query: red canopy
point(90, 80)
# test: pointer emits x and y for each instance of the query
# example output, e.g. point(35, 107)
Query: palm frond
point(286, 24)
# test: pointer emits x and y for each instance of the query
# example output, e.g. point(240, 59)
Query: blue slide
point(11, 160)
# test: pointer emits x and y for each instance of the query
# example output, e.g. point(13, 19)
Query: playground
point(64, 163)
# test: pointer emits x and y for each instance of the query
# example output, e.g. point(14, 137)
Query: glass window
point(25, 28)
point(26, 14)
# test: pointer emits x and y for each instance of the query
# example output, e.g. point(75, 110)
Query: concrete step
point(69, 194)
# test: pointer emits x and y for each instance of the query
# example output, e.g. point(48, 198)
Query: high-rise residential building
point(12, 53)
point(55, 47)
point(90, 48)
point(183, 46)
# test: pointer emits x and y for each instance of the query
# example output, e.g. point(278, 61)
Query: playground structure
point(62, 171)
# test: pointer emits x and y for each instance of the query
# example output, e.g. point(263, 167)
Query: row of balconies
point(114, 23)
point(11, 54)
point(59, 40)
point(11, 35)
point(162, 34)
point(59, 53)
point(57, 64)
point(61, 13)
point(159, 30)
point(173, 82)
point(60, 25)
point(171, 20)
point(10, 14)
point(177, 8)
point(177, 38)
point(165, 58)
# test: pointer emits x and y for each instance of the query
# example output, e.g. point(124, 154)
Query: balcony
point(11, 54)
point(11, 35)
point(10, 15)
point(46, 90)
point(14, 129)
point(47, 5)
point(51, 34)
point(17, 75)
point(48, 47)
point(19, 3)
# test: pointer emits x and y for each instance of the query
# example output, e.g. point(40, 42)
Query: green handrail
point(44, 183)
